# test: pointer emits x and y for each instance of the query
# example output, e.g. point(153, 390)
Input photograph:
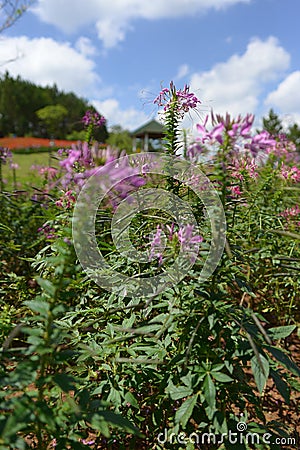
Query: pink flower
point(235, 191)
point(291, 212)
point(189, 241)
point(182, 99)
point(5, 153)
point(49, 172)
point(93, 118)
point(290, 173)
point(156, 246)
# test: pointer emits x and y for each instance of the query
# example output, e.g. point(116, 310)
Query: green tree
point(120, 138)
point(20, 100)
point(53, 117)
point(272, 123)
point(294, 135)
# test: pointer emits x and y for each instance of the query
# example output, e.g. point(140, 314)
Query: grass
point(25, 174)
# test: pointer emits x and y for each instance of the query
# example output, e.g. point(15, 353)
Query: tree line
point(30, 110)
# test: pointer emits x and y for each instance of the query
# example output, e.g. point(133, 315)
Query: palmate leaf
point(185, 411)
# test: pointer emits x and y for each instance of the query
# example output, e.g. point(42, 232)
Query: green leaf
point(209, 391)
point(281, 332)
point(113, 419)
point(114, 396)
point(260, 368)
point(130, 398)
point(100, 424)
point(281, 386)
point(47, 286)
point(38, 306)
point(283, 359)
point(178, 392)
point(65, 382)
point(185, 411)
point(222, 377)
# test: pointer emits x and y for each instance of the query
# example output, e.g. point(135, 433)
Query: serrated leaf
point(47, 286)
point(38, 306)
point(260, 368)
point(185, 411)
point(281, 332)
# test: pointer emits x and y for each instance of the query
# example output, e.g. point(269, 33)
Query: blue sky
point(238, 55)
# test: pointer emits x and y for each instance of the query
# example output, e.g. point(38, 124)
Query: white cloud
point(45, 61)
point(114, 18)
point(287, 95)
point(183, 71)
point(129, 118)
point(235, 85)
point(85, 46)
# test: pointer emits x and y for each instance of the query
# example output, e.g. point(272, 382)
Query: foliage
point(53, 117)
point(12, 10)
point(273, 124)
point(19, 101)
point(85, 366)
point(120, 139)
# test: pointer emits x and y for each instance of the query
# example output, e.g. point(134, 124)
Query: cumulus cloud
point(45, 61)
point(287, 95)
point(235, 85)
point(129, 118)
point(113, 19)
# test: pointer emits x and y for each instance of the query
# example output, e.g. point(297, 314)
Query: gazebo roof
point(154, 129)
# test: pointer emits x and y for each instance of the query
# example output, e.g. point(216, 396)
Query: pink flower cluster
point(244, 167)
point(93, 118)
point(79, 154)
point(48, 231)
point(284, 149)
point(290, 173)
point(49, 172)
point(186, 236)
point(182, 99)
point(235, 191)
point(67, 200)
point(290, 214)
point(237, 131)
